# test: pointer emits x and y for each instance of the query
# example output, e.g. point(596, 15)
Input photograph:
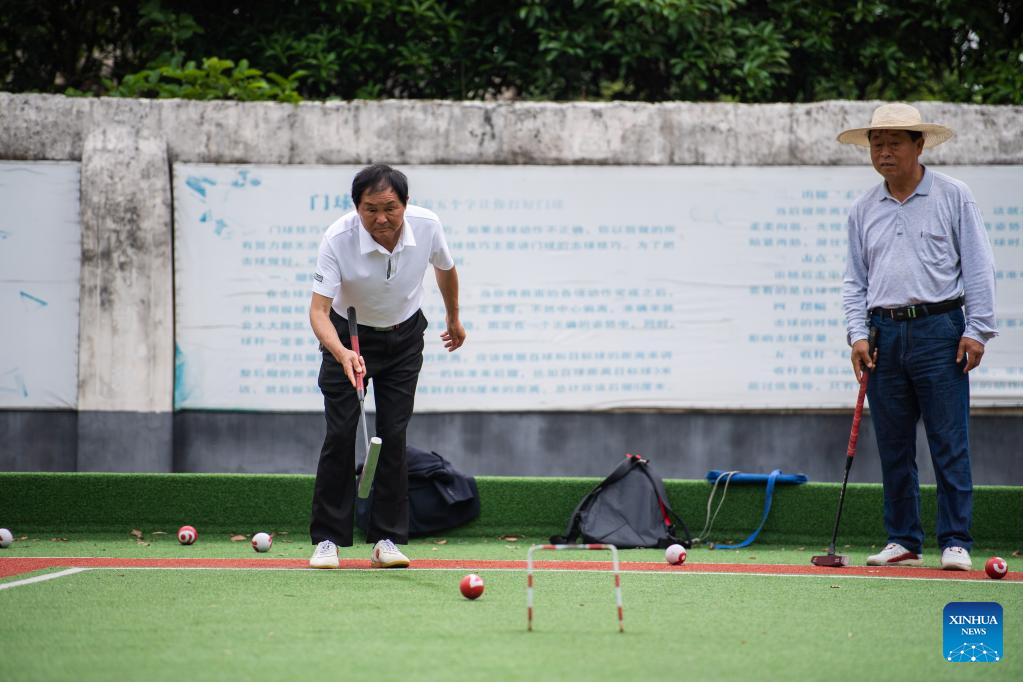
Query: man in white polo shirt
point(374, 259)
point(918, 253)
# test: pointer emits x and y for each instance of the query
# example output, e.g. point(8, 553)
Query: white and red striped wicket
point(558, 548)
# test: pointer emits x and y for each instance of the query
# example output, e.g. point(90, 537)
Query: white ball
point(6, 538)
point(261, 542)
point(675, 555)
point(187, 535)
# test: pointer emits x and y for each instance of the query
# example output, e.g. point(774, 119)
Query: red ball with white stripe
point(471, 586)
point(187, 535)
point(996, 568)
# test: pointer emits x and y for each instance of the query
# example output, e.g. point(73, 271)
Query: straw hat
point(897, 116)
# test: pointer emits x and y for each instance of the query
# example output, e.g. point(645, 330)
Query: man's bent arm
point(447, 281)
point(978, 271)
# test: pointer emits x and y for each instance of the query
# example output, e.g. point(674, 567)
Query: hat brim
point(934, 134)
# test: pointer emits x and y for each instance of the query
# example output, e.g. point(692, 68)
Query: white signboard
point(40, 262)
point(581, 287)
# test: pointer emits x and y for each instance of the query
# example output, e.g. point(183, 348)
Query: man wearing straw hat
point(918, 253)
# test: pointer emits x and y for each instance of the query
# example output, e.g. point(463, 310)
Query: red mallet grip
point(353, 332)
point(854, 433)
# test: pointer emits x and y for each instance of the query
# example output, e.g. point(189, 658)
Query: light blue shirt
point(930, 248)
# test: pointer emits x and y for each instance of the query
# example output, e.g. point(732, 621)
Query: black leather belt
point(395, 327)
point(338, 320)
point(915, 312)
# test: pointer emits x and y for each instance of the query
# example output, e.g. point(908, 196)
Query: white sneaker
point(325, 556)
point(894, 554)
point(386, 555)
point(955, 559)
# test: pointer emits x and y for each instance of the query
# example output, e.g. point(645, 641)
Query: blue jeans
point(917, 375)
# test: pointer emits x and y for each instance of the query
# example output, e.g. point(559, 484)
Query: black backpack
point(439, 497)
point(627, 509)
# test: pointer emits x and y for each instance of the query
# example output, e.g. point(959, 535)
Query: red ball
point(996, 568)
point(187, 535)
point(471, 586)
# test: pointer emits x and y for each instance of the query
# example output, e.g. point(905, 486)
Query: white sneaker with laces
point(894, 554)
point(955, 559)
point(386, 555)
point(325, 556)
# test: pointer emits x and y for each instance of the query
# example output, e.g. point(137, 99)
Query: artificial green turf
point(402, 625)
point(47, 502)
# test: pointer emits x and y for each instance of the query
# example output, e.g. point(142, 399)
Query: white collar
point(367, 244)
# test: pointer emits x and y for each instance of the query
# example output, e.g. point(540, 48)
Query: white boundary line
point(483, 569)
point(42, 578)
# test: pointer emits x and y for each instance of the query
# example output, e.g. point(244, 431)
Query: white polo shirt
point(385, 287)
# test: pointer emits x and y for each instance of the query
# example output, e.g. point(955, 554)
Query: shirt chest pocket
point(935, 248)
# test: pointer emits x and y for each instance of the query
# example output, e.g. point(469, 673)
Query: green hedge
point(650, 50)
point(86, 502)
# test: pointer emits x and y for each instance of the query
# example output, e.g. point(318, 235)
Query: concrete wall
point(398, 131)
point(125, 420)
point(126, 328)
point(681, 445)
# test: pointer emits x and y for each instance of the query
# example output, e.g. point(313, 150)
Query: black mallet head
point(830, 560)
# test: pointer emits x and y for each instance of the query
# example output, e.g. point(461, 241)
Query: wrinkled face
point(894, 154)
point(382, 214)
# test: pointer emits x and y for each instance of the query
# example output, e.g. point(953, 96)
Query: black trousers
point(393, 360)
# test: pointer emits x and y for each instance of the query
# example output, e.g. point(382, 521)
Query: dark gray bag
point(440, 497)
point(627, 509)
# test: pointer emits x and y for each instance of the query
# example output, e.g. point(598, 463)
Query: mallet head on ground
point(830, 560)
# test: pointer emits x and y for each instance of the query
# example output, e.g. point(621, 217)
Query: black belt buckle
point(909, 312)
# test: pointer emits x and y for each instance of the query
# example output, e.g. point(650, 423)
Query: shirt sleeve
point(440, 255)
point(978, 271)
point(854, 285)
point(327, 278)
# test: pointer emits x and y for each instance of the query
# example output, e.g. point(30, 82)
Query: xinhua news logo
point(973, 632)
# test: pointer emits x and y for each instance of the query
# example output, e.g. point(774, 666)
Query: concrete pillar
point(126, 348)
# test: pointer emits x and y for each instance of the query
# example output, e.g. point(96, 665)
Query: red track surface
point(18, 565)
